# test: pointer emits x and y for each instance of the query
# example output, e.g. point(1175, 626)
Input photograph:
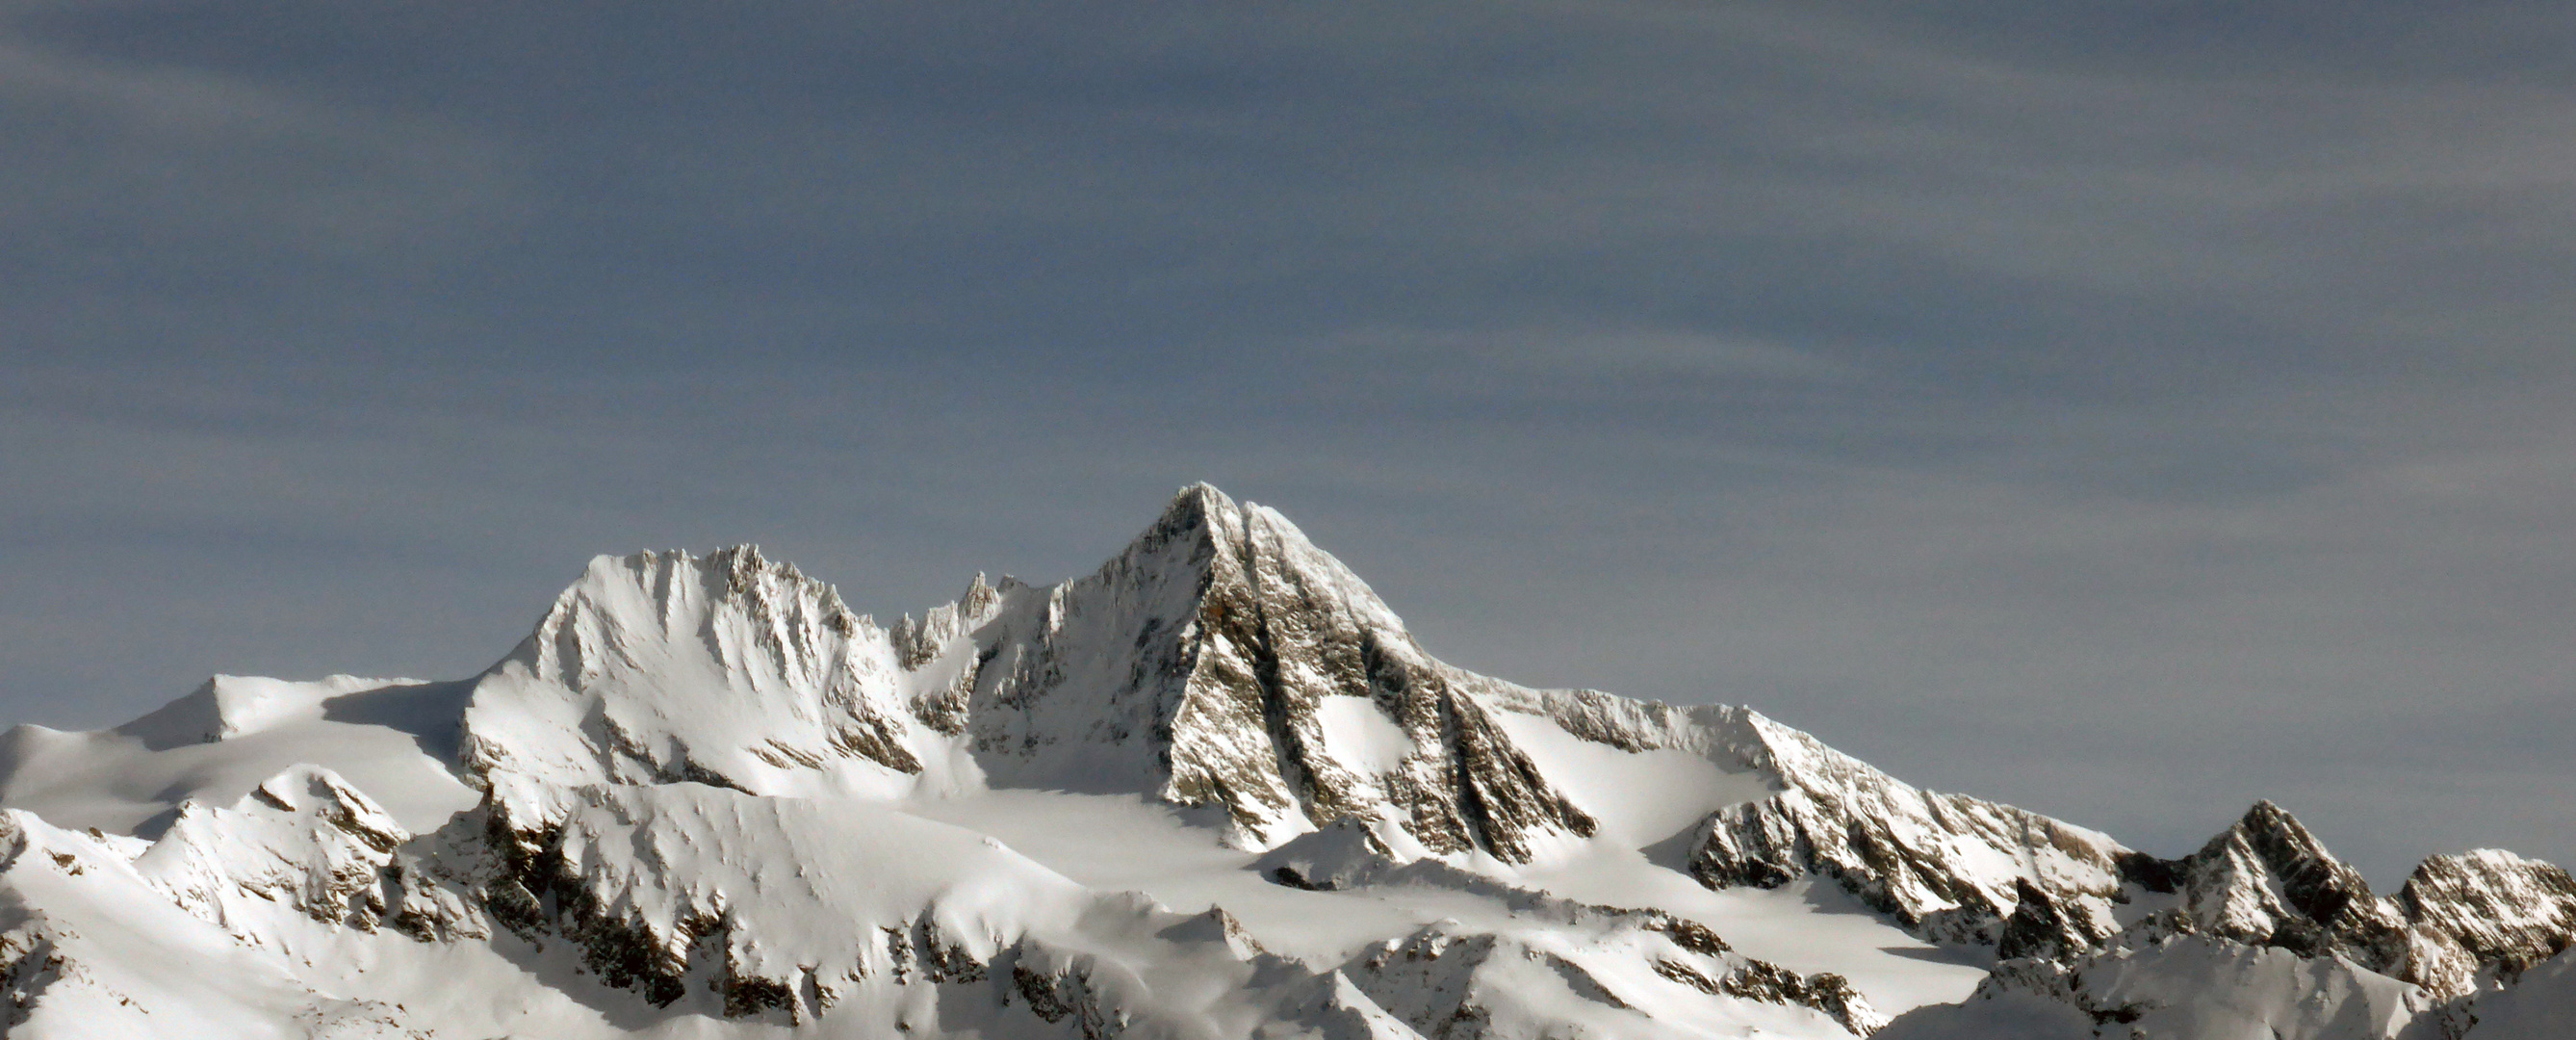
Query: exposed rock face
point(2265, 903)
point(1956, 869)
point(719, 788)
point(2191, 986)
point(1215, 661)
point(703, 895)
point(1342, 855)
point(2484, 912)
point(1443, 982)
point(89, 947)
point(1760, 980)
point(304, 838)
point(2039, 928)
point(2268, 881)
point(1220, 660)
point(660, 885)
point(2052, 898)
point(1948, 867)
point(1447, 982)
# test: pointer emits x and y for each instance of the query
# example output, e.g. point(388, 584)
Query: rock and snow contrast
point(1211, 790)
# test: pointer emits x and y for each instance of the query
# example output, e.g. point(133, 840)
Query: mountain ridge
point(665, 772)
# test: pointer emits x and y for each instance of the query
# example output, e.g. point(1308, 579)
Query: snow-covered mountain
point(1213, 789)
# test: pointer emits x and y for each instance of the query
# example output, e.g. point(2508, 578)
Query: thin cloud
point(158, 152)
point(1606, 354)
point(2020, 395)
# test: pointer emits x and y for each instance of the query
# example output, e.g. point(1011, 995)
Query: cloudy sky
point(2125, 410)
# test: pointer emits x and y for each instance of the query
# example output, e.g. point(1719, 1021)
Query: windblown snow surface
point(1210, 790)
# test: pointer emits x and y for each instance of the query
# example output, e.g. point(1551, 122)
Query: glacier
point(1213, 789)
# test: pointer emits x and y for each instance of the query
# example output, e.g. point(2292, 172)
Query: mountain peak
point(1193, 525)
point(727, 669)
point(2278, 837)
point(2487, 908)
point(228, 706)
point(1196, 508)
point(718, 788)
point(1202, 495)
point(1223, 661)
point(2266, 880)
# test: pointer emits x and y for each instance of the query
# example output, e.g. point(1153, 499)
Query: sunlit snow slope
point(1213, 789)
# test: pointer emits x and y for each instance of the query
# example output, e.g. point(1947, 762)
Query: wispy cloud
point(2147, 385)
point(119, 156)
point(1539, 354)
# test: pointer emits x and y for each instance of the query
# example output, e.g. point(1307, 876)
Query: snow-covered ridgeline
point(849, 915)
point(727, 669)
point(2294, 939)
point(1223, 661)
point(1220, 661)
point(304, 839)
point(786, 908)
point(89, 947)
point(1948, 867)
point(707, 782)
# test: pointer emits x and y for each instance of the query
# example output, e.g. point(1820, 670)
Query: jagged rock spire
point(2267, 880)
point(1202, 661)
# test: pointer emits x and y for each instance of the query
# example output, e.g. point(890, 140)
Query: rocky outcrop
point(2268, 881)
point(1447, 981)
point(1930, 862)
point(2187, 986)
point(1753, 979)
point(1948, 867)
point(1220, 661)
point(1342, 855)
point(90, 947)
point(2039, 928)
point(1062, 986)
point(1582, 945)
point(2481, 915)
point(1431, 980)
point(304, 838)
point(1223, 661)
point(656, 885)
point(717, 787)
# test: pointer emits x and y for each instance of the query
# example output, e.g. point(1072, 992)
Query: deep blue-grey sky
point(2125, 410)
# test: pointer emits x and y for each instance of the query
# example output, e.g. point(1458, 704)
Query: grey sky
point(2127, 410)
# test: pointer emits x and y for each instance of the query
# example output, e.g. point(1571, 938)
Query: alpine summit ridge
point(1213, 789)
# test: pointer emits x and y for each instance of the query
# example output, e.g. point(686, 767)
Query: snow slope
point(397, 737)
point(1213, 789)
